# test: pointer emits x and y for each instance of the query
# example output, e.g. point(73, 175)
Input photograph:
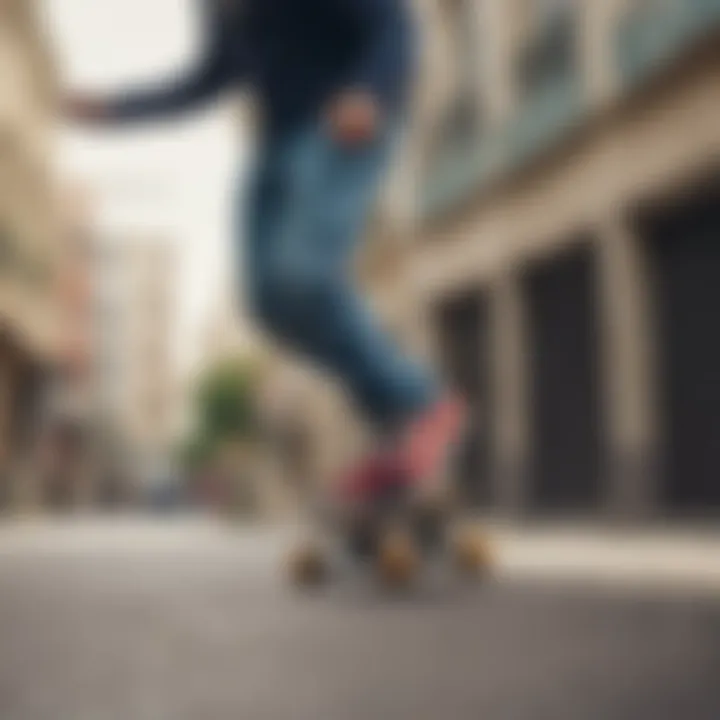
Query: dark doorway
point(463, 332)
point(562, 319)
point(683, 244)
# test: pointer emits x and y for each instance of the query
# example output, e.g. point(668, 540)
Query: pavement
point(191, 620)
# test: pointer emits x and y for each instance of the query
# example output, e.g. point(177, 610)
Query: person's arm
point(212, 73)
point(379, 73)
point(385, 59)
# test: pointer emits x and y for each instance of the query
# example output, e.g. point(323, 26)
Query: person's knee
point(288, 299)
point(285, 294)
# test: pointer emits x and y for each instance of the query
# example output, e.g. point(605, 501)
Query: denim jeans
point(309, 198)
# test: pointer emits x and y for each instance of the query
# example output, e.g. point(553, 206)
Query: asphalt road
point(207, 630)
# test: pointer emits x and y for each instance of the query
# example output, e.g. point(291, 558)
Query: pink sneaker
point(430, 438)
point(421, 453)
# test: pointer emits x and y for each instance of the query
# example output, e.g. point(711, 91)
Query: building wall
point(28, 233)
point(27, 201)
point(137, 391)
point(634, 149)
point(545, 192)
point(75, 299)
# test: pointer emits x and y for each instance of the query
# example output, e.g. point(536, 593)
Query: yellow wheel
point(398, 559)
point(308, 567)
point(472, 553)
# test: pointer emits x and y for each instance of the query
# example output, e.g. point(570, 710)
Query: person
point(332, 78)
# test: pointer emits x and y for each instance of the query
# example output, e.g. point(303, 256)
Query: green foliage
point(227, 399)
point(226, 408)
point(197, 451)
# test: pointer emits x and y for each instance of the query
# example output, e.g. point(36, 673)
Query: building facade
point(565, 263)
point(28, 240)
point(556, 251)
point(65, 473)
point(136, 393)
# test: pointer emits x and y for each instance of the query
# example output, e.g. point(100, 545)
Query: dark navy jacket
point(295, 53)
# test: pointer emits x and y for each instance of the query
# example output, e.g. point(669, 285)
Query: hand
point(353, 118)
point(86, 109)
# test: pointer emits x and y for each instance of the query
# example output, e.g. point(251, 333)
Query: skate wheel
point(472, 553)
point(398, 559)
point(308, 567)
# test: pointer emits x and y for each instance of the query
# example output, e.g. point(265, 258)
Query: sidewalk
point(672, 560)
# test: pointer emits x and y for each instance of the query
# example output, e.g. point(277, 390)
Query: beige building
point(137, 383)
point(28, 247)
point(556, 249)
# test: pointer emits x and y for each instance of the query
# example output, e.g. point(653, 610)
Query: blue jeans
point(308, 201)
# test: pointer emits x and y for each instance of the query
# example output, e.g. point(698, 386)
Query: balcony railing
point(540, 120)
point(552, 100)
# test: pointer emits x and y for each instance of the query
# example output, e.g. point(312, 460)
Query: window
point(547, 48)
point(460, 124)
point(643, 7)
point(649, 32)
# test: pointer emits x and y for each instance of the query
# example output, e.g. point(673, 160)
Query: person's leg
point(319, 195)
point(309, 200)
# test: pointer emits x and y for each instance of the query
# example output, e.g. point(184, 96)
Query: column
point(5, 416)
point(627, 373)
point(511, 439)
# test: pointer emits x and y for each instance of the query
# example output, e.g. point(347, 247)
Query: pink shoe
point(431, 437)
point(422, 451)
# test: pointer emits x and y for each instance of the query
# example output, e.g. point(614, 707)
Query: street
point(194, 622)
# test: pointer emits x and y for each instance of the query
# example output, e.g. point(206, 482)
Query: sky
point(173, 181)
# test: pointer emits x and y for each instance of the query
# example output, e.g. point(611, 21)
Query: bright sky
point(177, 181)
